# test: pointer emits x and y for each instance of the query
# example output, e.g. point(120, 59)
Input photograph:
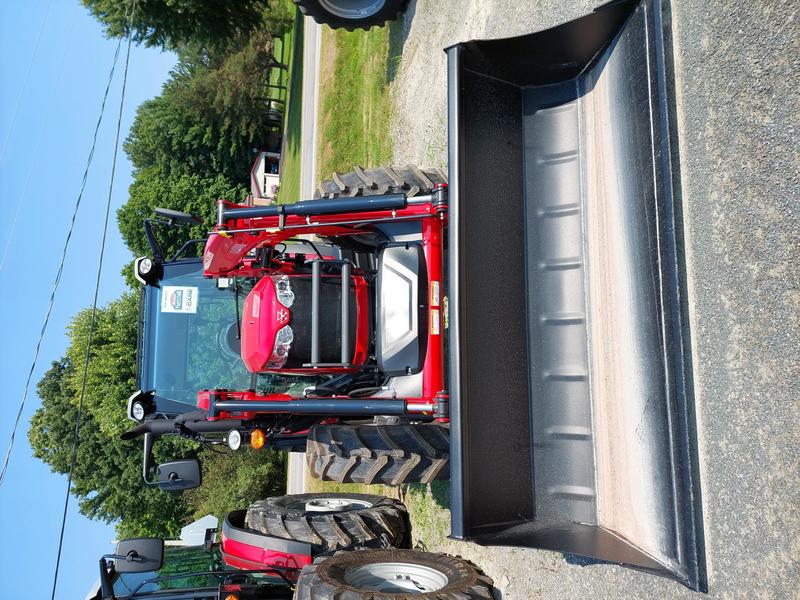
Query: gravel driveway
point(738, 112)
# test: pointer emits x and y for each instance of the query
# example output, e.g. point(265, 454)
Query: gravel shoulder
point(738, 112)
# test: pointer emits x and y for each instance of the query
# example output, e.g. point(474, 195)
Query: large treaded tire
point(384, 523)
point(388, 454)
point(409, 180)
point(317, 11)
point(326, 578)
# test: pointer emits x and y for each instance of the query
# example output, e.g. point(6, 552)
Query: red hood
point(262, 317)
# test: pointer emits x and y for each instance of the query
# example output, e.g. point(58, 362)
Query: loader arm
point(241, 228)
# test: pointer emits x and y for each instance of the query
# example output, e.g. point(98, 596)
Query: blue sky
point(54, 62)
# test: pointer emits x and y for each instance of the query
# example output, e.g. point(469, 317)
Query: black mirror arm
point(106, 589)
point(158, 253)
point(147, 458)
point(185, 247)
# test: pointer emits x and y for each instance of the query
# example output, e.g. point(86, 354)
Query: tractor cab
point(190, 338)
point(192, 329)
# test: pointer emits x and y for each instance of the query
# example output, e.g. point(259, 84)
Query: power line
point(94, 300)
point(60, 271)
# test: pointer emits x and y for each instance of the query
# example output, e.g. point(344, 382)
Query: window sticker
point(179, 299)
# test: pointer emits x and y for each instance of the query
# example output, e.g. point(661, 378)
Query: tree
point(207, 121)
point(175, 24)
point(106, 479)
point(188, 193)
point(234, 480)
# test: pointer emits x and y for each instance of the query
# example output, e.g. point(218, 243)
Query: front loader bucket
point(570, 385)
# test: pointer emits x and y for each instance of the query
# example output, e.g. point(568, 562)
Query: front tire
point(351, 14)
point(333, 520)
point(388, 454)
point(392, 574)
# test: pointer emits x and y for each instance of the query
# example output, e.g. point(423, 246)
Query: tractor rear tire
point(409, 180)
point(392, 574)
point(351, 14)
point(388, 454)
point(333, 520)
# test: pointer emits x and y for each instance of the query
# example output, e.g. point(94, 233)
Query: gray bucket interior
point(572, 420)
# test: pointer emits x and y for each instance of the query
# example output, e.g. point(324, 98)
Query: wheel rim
point(352, 9)
point(392, 577)
point(331, 504)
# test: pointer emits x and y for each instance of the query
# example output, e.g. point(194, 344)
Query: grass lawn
point(290, 162)
point(354, 106)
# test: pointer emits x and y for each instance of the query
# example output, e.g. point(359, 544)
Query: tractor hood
point(263, 317)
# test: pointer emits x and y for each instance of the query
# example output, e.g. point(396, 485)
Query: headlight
point(283, 290)
point(280, 352)
point(145, 266)
point(234, 439)
point(138, 411)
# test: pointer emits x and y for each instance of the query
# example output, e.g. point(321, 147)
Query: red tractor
point(302, 547)
point(277, 338)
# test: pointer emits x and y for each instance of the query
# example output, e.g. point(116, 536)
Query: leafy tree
point(207, 121)
point(107, 475)
point(110, 377)
point(235, 480)
point(106, 479)
point(176, 24)
point(188, 193)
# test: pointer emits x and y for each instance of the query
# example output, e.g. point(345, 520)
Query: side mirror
point(179, 475)
point(176, 216)
point(139, 555)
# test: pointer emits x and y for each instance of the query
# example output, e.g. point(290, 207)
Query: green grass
point(315, 485)
point(355, 107)
point(290, 160)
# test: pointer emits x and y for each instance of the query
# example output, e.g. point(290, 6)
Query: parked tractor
point(307, 546)
point(552, 264)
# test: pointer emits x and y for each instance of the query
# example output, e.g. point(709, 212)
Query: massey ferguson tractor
point(306, 547)
point(354, 318)
point(563, 410)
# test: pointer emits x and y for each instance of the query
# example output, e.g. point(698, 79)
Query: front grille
point(330, 320)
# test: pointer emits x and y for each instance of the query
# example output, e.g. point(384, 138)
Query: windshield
point(177, 560)
point(186, 573)
point(189, 339)
point(189, 335)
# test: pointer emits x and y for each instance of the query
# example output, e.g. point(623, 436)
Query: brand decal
point(283, 316)
point(179, 299)
point(256, 305)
